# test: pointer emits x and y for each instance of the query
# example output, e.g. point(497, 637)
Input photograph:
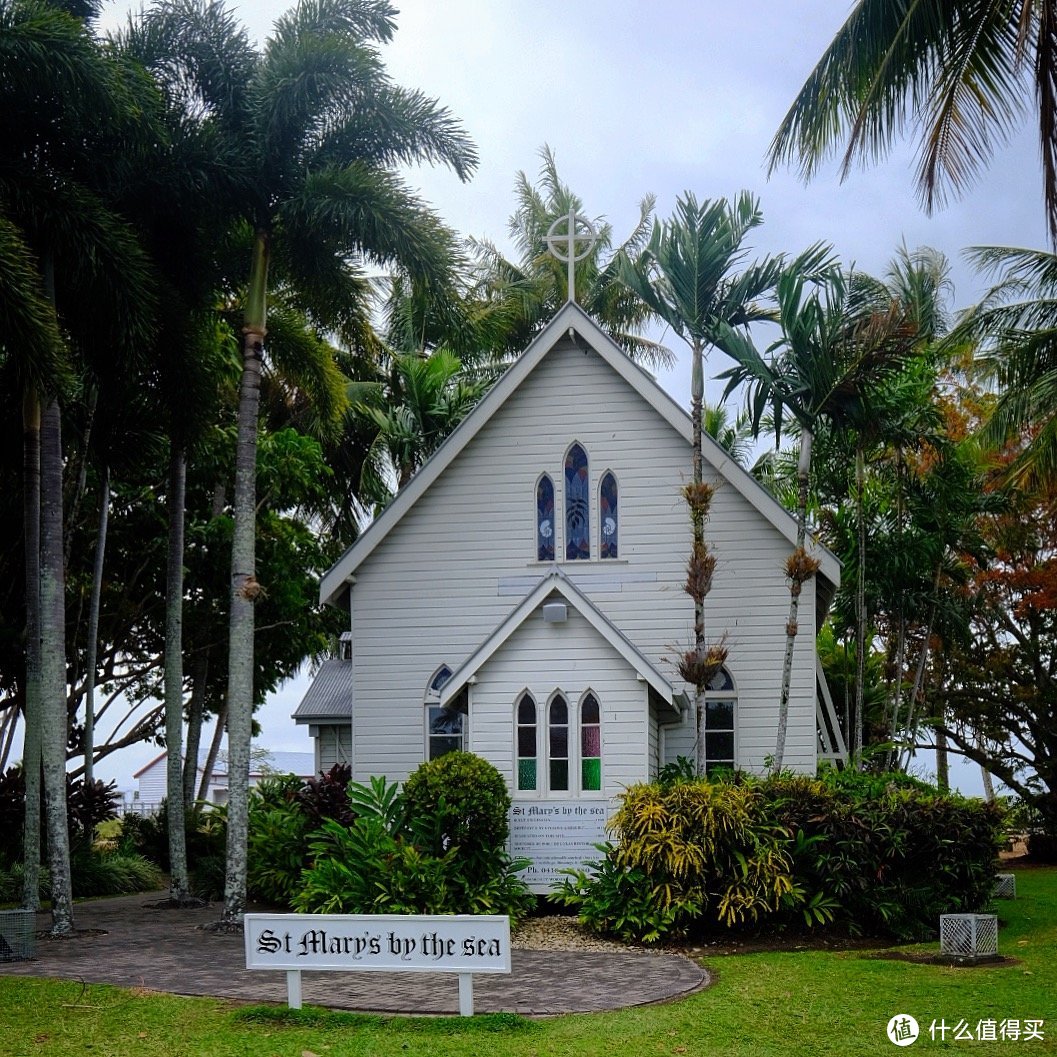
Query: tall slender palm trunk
point(196, 713)
point(31, 743)
point(860, 609)
point(244, 587)
point(93, 628)
point(797, 579)
point(697, 411)
point(53, 669)
point(179, 887)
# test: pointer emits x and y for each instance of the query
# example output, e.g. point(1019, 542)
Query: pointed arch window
point(527, 744)
point(608, 517)
point(577, 505)
point(545, 534)
point(590, 744)
point(558, 743)
point(721, 708)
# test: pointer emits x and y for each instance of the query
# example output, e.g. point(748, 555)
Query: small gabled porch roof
point(555, 586)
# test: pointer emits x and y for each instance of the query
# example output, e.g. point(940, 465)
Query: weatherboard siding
point(433, 589)
point(572, 658)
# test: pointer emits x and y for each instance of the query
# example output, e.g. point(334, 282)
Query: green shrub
point(87, 805)
point(893, 855)
point(459, 801)
point(277, 846)
point(399, 855)
point(625, 902)
point(112, 874)
point(872, 854)
point(206, 830)
point(701, 854)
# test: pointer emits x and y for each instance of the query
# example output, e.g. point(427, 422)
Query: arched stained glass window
point(545, 519)
point(440, 677)
point(527, 743)
point(577, 505)
point(558, 743)
point(608, 517)
point(590, 744)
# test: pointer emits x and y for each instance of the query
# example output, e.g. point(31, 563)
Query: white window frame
point(431, 702)
point(730, 694)
point(543, 790)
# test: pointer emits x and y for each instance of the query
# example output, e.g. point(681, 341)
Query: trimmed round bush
point(459, 800)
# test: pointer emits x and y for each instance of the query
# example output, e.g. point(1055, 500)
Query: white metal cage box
point(969, 937)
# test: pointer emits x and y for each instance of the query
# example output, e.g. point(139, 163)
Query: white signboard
point(457, 943)
point(556, 835)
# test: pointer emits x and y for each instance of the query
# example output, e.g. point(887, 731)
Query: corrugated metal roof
point(330, 695)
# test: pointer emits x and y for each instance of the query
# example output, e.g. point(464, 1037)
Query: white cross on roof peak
point(571, 238)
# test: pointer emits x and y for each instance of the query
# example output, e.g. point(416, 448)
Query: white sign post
point(456, 943)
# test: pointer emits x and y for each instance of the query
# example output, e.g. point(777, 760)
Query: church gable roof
point(570, 320)
point(557, 586)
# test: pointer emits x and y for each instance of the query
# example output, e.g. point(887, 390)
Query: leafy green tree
point(66, 103)
point(832, 354)
point(521, 296)
point(1015, 330)
point(959, 74)
point(314, 129)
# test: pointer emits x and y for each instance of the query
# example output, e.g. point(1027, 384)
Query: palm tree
point(960, 72)
point(66, 104)
point(685, 276)
point(313, 128)
point(521, 296)
point(830, 352)
point(1015, 328)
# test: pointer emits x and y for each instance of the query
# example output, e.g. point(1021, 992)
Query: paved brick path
point(166, 951)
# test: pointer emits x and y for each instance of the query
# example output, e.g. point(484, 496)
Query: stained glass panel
point(545, 520)
point(577, 505)
point(591, 775)
point(559, 775)
point(527, 745)
point(526, 774)
point(608, 517)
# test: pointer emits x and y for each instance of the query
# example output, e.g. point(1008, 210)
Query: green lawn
point(811, 1003)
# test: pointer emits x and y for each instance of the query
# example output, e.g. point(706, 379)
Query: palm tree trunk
point(31, 742)
point(179, 886)
point(860, 607)
point(897, 688)
point(803, 475)
point(697, 412)
point(214, 751)
point(54, 718)
point(93, 628)
point(196, 713)
point(923, 656)
point(244, 587)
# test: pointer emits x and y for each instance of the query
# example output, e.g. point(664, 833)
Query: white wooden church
point(522, 598)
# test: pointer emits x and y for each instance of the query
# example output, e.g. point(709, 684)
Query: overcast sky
point(659, 97)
